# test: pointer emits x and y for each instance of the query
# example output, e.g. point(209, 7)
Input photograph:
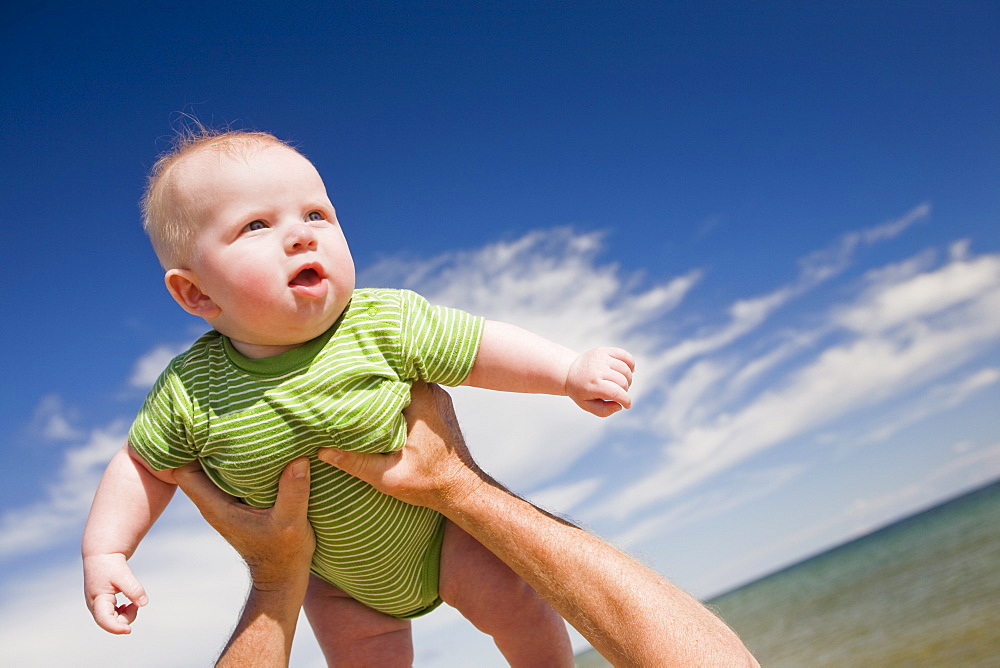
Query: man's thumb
point(293, 486)
point(366, 466)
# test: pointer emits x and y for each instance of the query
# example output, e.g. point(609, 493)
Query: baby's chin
point(270, 345)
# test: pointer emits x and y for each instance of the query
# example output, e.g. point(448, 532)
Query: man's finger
point(293, 489)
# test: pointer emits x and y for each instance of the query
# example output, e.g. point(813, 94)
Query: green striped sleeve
point(439, 343)
point(160, 433)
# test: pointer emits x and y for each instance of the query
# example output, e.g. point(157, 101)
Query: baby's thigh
point(350, 633)
point(499, 602)
point(478, 583)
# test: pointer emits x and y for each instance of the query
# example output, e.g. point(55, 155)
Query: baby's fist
point(104, 577)
point(598, 380)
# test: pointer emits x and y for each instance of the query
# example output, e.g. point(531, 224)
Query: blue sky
point(789, 214)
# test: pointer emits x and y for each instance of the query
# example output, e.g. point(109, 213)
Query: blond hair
point(169, 224)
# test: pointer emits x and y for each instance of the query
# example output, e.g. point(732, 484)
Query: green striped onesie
point(245, 419)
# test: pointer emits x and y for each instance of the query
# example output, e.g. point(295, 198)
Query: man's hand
point(104, 577)
point(434, 469)
point(277, 543)
point(599, 379)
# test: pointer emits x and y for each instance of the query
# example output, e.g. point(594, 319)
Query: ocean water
point(924, 591)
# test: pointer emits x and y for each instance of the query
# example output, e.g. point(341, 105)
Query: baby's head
point(249, 239)
point(166, 217)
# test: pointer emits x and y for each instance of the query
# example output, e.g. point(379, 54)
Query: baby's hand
point(104, 577)
point(598, 381)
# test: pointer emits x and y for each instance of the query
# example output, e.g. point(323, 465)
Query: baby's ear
point(183, 287)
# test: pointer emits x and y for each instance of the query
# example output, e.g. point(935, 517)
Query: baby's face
point(269, 251)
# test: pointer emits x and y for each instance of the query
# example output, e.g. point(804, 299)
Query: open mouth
point(308, 277)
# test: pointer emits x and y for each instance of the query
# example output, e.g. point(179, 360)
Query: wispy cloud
point(148, 368)
point(562, 499)
point(890, 302)
point(54, 421)
point(552, 283)
point(938, 399)
point(909, 325)
point(831, 261)
point(549, 281)
point(746, 315)
point(66, 500)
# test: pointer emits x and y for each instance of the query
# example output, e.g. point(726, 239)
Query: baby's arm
point(128, 501)
point(512, 359)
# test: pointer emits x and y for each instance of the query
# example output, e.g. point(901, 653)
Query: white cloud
point(549, 282)
point(562, 499)
point(893, 228)
point(897, 340)
point(552, 283)
point(692, 397)
point(148, 368)
point(525, 440)
point(829, 262)
point(53, 420)
point(67, 499)
point(757, 367)
point(959, 250)
point(937, 399)
point(747, 315)
point(892, 303)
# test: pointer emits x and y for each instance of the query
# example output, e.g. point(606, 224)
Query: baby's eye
point(255, 225)
point(315, 215)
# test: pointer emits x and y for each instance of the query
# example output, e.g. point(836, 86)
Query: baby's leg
point(498, 602)
point(352, 634)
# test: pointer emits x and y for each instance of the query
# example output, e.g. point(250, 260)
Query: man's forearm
point(630, 614)
point(264, 633)
point(277, 544)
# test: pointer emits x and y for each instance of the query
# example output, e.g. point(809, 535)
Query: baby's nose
point(301, 237)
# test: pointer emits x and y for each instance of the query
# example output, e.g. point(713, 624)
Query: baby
point(299, 359)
